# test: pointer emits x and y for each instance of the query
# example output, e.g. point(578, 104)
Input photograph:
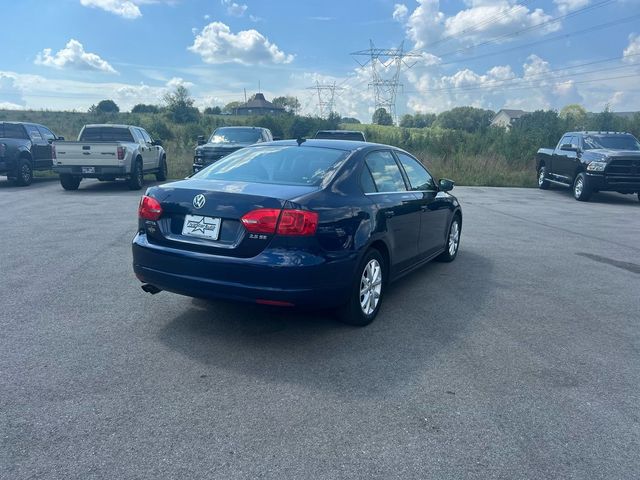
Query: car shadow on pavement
point(96, 187)
point(423, 312)
point(5, 184)
point(612, 198)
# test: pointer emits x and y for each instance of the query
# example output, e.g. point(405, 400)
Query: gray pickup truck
point(590, 162)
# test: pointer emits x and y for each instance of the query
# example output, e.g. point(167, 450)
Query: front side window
point(385, 172)
point(282, 165)
point(419, 177)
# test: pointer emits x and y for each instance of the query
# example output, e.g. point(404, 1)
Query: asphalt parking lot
point(519, 360)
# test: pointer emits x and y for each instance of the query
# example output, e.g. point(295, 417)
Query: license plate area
point(201, 227)
point(88, 169)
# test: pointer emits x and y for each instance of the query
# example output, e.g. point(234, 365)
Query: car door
point(49, 137)
point(559, 159)
point(398, 209)
point(142, 147)
point(40, 148)
point(151, 151)
point(434, 207)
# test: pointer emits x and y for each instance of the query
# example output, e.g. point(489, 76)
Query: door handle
point(389, 213)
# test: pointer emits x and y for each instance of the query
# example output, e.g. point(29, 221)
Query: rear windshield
point(12, 130)
point(106, 134)
point(235, 135)
point(282, 165)
point(614, 142)
point(358, 136)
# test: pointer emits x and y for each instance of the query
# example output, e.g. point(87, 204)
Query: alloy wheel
point(370, 287)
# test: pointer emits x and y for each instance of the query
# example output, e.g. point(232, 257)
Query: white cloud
point(631, 54)
point(10, 106)
point(218, 44)
point(124, 8)
point(177, 82)
point(400, 11)
point(234, 9)
point(73, 55)
point(566, 6)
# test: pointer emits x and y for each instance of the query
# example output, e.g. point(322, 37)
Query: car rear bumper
point(294, 278)
point(615, 183)
point(98, 171)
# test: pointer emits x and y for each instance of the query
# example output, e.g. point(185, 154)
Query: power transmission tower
point(385, 64)
point(326, 97)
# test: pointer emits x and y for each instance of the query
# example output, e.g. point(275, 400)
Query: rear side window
point(366, 181)
point(33, 132)
point(145, 135)
point(385, 172)
point(12, 130)
point(283, 165)
point(418, 176)
point(106, 134)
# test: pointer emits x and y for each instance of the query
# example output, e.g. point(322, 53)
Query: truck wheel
point(70, 182)
point(366, 294)
point(581, 188)
point(136, 180)
point(543, 183)
point(24, 173)
point(161, 176)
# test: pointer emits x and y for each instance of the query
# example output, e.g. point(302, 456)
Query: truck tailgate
point(88, 154)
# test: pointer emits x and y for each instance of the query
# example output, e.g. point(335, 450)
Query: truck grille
point(624, 167)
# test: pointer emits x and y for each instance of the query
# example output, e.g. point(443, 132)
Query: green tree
point(349, 120)
point(290, 104)
point(212, 111)
point(231, 107)
point(575, 115)
point(142, 108)
point(407, 121)
point(382, 117)
point(468, 119)
point(105, 106)
point(424, 120)
point(180, 105)
point(607, 121)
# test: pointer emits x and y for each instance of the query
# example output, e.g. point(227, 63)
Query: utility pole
point(385, 64)
point(326, 97)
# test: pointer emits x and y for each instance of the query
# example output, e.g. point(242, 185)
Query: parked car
point(226, 140)
point(25, 148)
point(591, 162)
point(108, 152)
point(355, 135)
point(325, 223)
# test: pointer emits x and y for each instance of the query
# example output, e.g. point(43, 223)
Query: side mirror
point(156, 143)
point(50, 141)
point(445, 185)
point(567, 147)
point(60, 139)
point(201, 140)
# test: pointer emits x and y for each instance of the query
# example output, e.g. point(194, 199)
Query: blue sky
point(528, 54)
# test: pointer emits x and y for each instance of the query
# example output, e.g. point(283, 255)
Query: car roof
point(246, 127)
point(347, 145)
point(594, 132)
point(340, 131)
point(108, 125)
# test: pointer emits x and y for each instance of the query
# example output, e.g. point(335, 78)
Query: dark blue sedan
point(323, 223)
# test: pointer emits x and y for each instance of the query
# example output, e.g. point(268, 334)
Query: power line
point(326, 97)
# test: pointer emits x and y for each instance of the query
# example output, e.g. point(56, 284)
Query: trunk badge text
point(199, 201)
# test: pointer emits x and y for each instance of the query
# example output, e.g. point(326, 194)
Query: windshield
point(614, 142)
point(235, 135)
point(106, 134)
point(284, 165)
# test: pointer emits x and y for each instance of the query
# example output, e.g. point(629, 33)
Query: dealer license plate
point(203, 227)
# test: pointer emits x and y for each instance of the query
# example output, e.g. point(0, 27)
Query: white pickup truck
point(107, 152)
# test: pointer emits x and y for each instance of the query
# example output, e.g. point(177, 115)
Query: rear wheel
point(367, 291)
point(161, 176)
point(136, 180)
point(70, 182)
point(581, 188)
point(24, 173)
point(543, 183)
point(453, 241)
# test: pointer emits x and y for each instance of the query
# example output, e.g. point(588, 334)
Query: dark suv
point(590, 162)
point(24, 148)
point(226, 140)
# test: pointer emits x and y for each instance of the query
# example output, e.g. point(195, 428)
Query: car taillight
point(149, 208)
point(121, 151)
point(53, 152)
point(298, 222)
point(282, 222)
point(263, 220)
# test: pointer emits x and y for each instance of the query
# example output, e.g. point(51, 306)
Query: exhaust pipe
point(152, 289)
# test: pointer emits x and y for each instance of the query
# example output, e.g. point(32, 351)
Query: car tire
point(161, 176)
point(70, 182)
point(453, 241)
point(24, 173)
point(581, 188)
point(543, 183)
point(136, 179)
point(367, 291)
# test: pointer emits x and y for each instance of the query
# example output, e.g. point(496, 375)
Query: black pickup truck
point(24, 148)
point(590, 162)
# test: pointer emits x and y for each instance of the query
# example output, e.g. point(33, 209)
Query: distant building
point(505, 117)
point(259, 105)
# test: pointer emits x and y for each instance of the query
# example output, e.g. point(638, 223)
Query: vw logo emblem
point(199, 201)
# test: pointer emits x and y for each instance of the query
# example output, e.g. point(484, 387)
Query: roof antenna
point(301, 140)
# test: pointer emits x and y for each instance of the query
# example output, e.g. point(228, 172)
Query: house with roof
point(259, 105)
point(505, 117)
